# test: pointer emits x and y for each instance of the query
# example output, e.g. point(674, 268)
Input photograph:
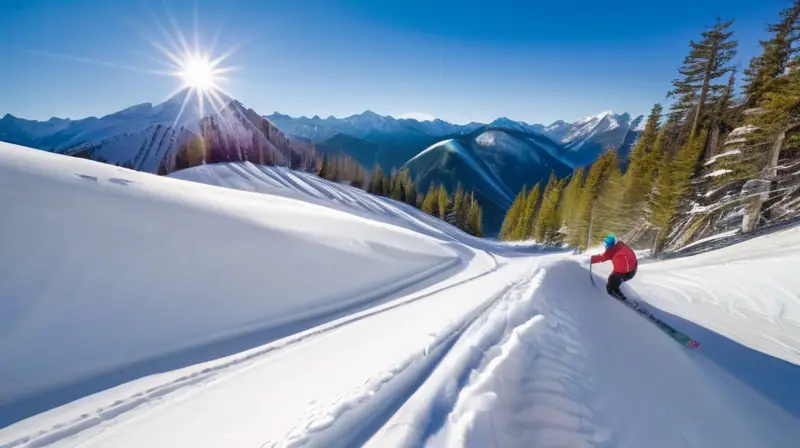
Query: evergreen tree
point(410, 187)
point(398, 188)
point(548, 221)
point(523, 229)
point(725, 113)
point(608, 216)
point(673, 184)
point(386, 185)
point(707, 61)
point(638, 179)
point(776, 55)
point(458, 214)
point(474, 217)
point(545, 215)
point(443, 200)
point(583, 220)
point(571, 197)
point(512, 215)
point(430, 204)
point(376, 181)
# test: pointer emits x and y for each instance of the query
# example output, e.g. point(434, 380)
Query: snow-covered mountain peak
point(594, 118)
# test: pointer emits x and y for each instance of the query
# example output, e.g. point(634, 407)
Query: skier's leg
point(612, 286)
point(622, 278)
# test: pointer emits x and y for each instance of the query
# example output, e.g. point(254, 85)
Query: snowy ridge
point(490, 177)
point(61, 135)
point(588, 127)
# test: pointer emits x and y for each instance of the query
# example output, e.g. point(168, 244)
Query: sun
point(197, 72)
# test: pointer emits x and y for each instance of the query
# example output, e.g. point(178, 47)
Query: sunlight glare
point(198, 73)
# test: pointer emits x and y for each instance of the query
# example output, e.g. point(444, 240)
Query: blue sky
point(456, 60)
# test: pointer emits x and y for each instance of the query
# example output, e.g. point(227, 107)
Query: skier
point(625, 264)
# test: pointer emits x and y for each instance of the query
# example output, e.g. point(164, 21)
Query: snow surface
point(717, 173)
point(275, 309)
point(724, 154)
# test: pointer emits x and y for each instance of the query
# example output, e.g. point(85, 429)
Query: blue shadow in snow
point(776, 379)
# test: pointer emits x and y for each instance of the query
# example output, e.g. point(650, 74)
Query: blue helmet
point(610, 240)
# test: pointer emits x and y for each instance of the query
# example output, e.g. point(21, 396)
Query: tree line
point(715, 154)
point(459, 208)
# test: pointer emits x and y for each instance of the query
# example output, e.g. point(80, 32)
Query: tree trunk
point(658, 244)
point(751, 218)
point(713, 143)
point(701, 102)
point(589, 234)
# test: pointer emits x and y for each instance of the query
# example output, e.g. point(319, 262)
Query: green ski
point(682, 338)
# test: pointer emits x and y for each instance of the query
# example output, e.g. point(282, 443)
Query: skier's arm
point(600, 258)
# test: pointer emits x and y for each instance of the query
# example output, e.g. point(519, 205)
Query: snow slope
point(169, 265)
point(283, 311)
point(572, 368)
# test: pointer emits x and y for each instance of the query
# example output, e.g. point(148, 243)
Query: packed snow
point(238, 305)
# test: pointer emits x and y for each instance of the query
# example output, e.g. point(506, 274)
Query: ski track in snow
point(311, 432)
point(587, 372)
point(64, 430)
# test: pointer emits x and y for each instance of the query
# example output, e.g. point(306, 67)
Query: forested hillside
point(717, 159)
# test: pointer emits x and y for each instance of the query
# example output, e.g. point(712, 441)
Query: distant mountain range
point(389, 141)
point(172, 135)
point(493, 159)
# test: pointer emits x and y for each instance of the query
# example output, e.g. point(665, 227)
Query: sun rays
point(200, 72)
point(196, 68)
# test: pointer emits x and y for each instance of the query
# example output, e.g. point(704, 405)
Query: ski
point(681, 338)
point(678, 336)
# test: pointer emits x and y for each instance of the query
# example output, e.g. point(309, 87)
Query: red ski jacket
point(621, 256)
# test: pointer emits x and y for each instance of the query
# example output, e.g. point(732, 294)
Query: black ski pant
point(614, 282)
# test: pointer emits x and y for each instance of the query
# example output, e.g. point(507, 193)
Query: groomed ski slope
point(283, 310)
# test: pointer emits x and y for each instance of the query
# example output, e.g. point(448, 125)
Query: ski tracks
point(488, 344)
point(217, 370)
point(357, 416)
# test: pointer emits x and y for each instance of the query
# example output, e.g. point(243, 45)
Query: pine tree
point(512, 215)
point(398, 188)
point(430, 204)
point(443, 200)
point(673, 184)
point(776, 55)
point(707, 61)
point(595, 180)
point(524, 226)
point(458, 214)
point(571, 197)
point(546, 215)
point(772, 91)
point(608, 217)
point(474, 217)
point(410, 187)
point(376, 181)
point(639, 178)
point(549, 220)
point(386, 185)
point(724, 115)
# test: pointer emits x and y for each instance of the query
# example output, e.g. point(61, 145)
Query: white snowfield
point(286, 311)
